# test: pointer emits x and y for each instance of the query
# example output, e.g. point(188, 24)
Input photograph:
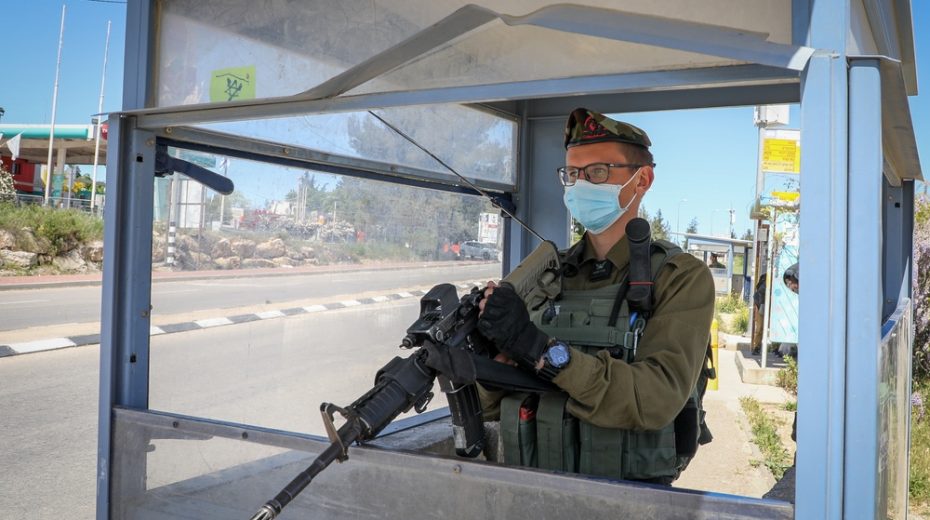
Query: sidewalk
point(726, 464)
point(8, 283)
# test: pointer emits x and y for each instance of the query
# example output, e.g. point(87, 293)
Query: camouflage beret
point(587, 126)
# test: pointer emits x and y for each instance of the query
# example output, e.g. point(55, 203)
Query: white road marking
point(213, 322)
point(42, 344)
point(20, 302)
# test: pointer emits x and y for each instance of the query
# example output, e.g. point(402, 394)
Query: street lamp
point(678, 220)
point(713, 216)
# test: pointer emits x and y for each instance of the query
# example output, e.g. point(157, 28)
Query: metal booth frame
point(857, 239)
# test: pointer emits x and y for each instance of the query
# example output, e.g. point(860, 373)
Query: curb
point(55, 281)
point(42, 345)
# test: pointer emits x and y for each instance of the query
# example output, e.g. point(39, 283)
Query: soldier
point(630, 401)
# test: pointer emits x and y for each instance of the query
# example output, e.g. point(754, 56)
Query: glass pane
point(476, 144)
point(298, 287)
point(894, 415)
point(498, 53)
point(195, 470)
point(217, 50)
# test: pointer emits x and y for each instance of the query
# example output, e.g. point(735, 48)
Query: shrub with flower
point(921, 289)
point(7, 190)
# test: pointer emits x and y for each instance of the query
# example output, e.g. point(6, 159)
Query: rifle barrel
point(349, 433)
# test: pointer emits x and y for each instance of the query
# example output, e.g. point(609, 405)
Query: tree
point(660, 227)
point(235, 199)
point(421, 218)
point(747, 235)
point(692, 226)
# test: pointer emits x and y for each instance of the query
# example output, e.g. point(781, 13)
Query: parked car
point(473, 249)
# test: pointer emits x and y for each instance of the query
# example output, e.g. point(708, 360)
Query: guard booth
point(286, 88)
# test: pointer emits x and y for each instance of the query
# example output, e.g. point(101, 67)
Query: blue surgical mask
point(596, 206)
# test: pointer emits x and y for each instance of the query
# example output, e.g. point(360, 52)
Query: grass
point(920, 451)
point(60, 227)
point(765, 435)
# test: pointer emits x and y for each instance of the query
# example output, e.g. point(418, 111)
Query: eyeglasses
point(595, 173)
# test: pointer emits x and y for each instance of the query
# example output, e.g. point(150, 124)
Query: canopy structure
point(77, 141)
point(307, 86)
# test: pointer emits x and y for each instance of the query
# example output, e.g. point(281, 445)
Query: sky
point(706, 158)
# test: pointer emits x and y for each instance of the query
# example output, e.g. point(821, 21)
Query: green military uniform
point(647, 394)
point(630, 403)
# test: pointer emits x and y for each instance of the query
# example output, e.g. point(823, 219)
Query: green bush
point(731, 304)
point(61, 227)
point(742, 321)
point(787, 377)
point(732, 314)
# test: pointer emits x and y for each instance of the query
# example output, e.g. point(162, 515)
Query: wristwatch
point(556, 357)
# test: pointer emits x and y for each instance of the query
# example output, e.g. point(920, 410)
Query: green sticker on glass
point(232, 84)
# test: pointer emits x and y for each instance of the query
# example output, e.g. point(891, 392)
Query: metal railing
point(61, 203)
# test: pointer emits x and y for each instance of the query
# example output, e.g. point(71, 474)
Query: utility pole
point(103, 79)
point(51, 136)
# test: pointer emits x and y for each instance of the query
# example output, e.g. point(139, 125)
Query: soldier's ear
point(646, 177)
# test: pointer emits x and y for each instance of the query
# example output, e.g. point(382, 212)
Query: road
point(272, 373)
point(21, 309)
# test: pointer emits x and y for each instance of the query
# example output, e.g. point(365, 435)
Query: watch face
point(558, 355)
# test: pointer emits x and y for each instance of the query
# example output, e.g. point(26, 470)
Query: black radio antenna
point(457, 174)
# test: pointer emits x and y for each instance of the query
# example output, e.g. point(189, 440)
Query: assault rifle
point(447, 350)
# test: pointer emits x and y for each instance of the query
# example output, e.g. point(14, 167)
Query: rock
point(308, 252)
point(284, 261)
point(243, 248)
point(67, 244)
point(187, 243)
point(158, 253)
point(271, 249)
point(258, 262)
point(7, 240)
point(222, 249)
point(194, 260)
point(229, 262)
point(29, 242)
point(71, 261)
point(93, 252)
point(312, 261)
point(21, 259)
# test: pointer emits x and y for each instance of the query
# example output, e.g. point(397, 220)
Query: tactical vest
point(537, 430)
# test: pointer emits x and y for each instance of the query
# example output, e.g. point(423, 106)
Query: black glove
point(506, 322)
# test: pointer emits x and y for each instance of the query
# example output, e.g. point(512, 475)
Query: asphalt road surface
point(20, 309)
point(272, 373)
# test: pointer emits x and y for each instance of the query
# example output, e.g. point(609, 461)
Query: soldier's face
point(583, 155)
